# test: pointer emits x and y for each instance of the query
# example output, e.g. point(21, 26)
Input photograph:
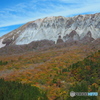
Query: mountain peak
point(50, 28)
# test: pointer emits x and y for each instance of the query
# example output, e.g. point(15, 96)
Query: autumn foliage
point(56, 70)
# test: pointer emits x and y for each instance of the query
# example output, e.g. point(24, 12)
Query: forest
point(17, 91)
point(52, 73)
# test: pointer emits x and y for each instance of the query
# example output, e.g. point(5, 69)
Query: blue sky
point(14, 13)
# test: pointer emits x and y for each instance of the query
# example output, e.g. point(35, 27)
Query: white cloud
point(24, 12)
point(73, 1)
point(80, 1)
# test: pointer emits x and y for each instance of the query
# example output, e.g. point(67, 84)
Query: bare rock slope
point(79, 28)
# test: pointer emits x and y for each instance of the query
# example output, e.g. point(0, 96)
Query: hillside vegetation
point(57, 71)
point(17, 91)
point(87, 76)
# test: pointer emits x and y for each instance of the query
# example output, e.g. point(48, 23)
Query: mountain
point(83, 28)
point(56, 54)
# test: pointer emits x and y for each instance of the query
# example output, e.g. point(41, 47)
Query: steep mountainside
point(79, 28)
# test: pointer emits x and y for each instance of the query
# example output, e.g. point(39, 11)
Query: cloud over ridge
point(30, 10)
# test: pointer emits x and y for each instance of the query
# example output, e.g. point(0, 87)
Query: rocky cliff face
point(78, 28)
